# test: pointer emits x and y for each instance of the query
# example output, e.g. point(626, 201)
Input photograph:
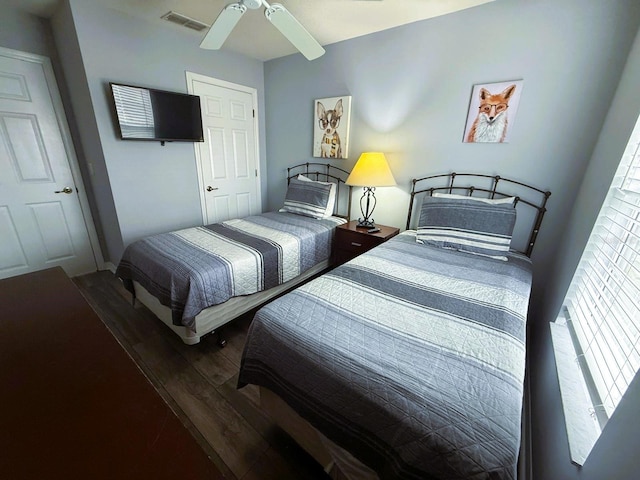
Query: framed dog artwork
point(332, 117)
point(492, 112)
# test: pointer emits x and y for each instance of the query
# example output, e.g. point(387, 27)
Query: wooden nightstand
point(351, 241)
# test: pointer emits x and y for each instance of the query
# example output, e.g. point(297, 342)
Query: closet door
point(228, 158)
point(41, 217)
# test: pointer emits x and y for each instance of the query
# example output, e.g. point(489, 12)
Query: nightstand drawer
point(351, 241)
point(356, 242)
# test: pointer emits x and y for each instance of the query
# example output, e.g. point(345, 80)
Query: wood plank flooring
point(199, 383)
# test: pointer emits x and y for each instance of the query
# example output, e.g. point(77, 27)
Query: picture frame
point(492, 112)
point(332, 117)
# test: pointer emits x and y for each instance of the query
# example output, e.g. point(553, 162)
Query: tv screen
point(149, 114)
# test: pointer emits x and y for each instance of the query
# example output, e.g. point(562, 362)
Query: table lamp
point(371, 171)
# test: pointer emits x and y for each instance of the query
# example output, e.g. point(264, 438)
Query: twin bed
point(408, 361)
point(198, 279)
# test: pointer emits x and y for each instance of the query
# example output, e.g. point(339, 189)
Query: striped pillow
point(467, 225)
point(307, 198)
point(494, 201)
point(332, 195)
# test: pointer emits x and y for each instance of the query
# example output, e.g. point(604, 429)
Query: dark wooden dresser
point(73, 404)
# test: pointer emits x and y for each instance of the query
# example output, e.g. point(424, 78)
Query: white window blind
point(603, 301)
point(135, 112)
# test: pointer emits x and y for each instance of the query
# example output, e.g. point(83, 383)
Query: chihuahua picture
point(328, 122)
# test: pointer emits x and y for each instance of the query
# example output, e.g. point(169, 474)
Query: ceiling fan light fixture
point(277, 14)
point(252, 4)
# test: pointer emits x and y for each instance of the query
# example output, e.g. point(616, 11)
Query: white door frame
point(65, 133)
point(191, 77)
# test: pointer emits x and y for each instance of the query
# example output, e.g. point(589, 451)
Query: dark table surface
point(73, 403)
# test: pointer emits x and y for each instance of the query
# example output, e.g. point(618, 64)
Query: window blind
point(603, 301)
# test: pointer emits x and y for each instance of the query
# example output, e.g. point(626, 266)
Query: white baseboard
point(110, 266)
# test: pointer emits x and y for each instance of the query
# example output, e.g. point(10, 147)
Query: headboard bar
point(325, 172)
point(448, 185)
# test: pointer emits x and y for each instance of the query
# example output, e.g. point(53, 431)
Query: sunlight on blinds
point(603, 297)
point(135, 111)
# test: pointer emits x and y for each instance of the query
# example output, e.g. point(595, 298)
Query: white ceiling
point(329, 21)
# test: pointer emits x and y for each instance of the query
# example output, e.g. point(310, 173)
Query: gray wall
point(411, 88)
point(24, 32)
point(142, 187)
point(91, 158)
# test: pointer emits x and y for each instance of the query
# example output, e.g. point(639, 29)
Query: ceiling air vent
point(184, 21)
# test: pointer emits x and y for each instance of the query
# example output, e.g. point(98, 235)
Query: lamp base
point(367, 205)
point(362, 223)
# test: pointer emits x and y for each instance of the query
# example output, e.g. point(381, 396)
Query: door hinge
point(256, 170)
point(254, 113)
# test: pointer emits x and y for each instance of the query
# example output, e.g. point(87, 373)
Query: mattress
point(191, 269)
point(410, 357)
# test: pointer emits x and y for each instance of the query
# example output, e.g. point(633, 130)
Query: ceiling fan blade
point(222, 27)
point(293, 31)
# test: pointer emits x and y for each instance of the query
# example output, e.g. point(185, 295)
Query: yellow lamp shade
point(371, 170)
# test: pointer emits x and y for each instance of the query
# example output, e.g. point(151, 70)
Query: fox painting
point(491, 123)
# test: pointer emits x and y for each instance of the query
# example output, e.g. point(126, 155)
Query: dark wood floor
point(199, 384)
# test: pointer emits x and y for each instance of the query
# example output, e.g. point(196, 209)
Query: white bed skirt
point(216, 316)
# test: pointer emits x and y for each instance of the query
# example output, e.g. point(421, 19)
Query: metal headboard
point(325, 172)
point(497, 187)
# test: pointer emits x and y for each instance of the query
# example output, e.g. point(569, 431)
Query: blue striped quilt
point(192, 269)
point(411, 357)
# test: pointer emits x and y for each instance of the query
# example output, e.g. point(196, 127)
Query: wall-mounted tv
point(150, 114)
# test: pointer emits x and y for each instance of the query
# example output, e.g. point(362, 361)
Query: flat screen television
point(150, 114)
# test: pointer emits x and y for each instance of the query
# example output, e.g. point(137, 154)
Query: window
point(602, 308)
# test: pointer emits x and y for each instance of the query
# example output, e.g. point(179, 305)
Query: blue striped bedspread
point(411, 357)
point(191, 269)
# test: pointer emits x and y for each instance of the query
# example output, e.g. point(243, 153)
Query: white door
point(41, 220)
point(227, 159)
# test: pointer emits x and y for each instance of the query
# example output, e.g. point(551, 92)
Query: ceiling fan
point(275, 13)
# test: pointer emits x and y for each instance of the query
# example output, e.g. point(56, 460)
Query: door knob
point(211, 189)
point(65, 190)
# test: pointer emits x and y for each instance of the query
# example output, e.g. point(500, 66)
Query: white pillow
point(332, 194)
point(492, 201)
